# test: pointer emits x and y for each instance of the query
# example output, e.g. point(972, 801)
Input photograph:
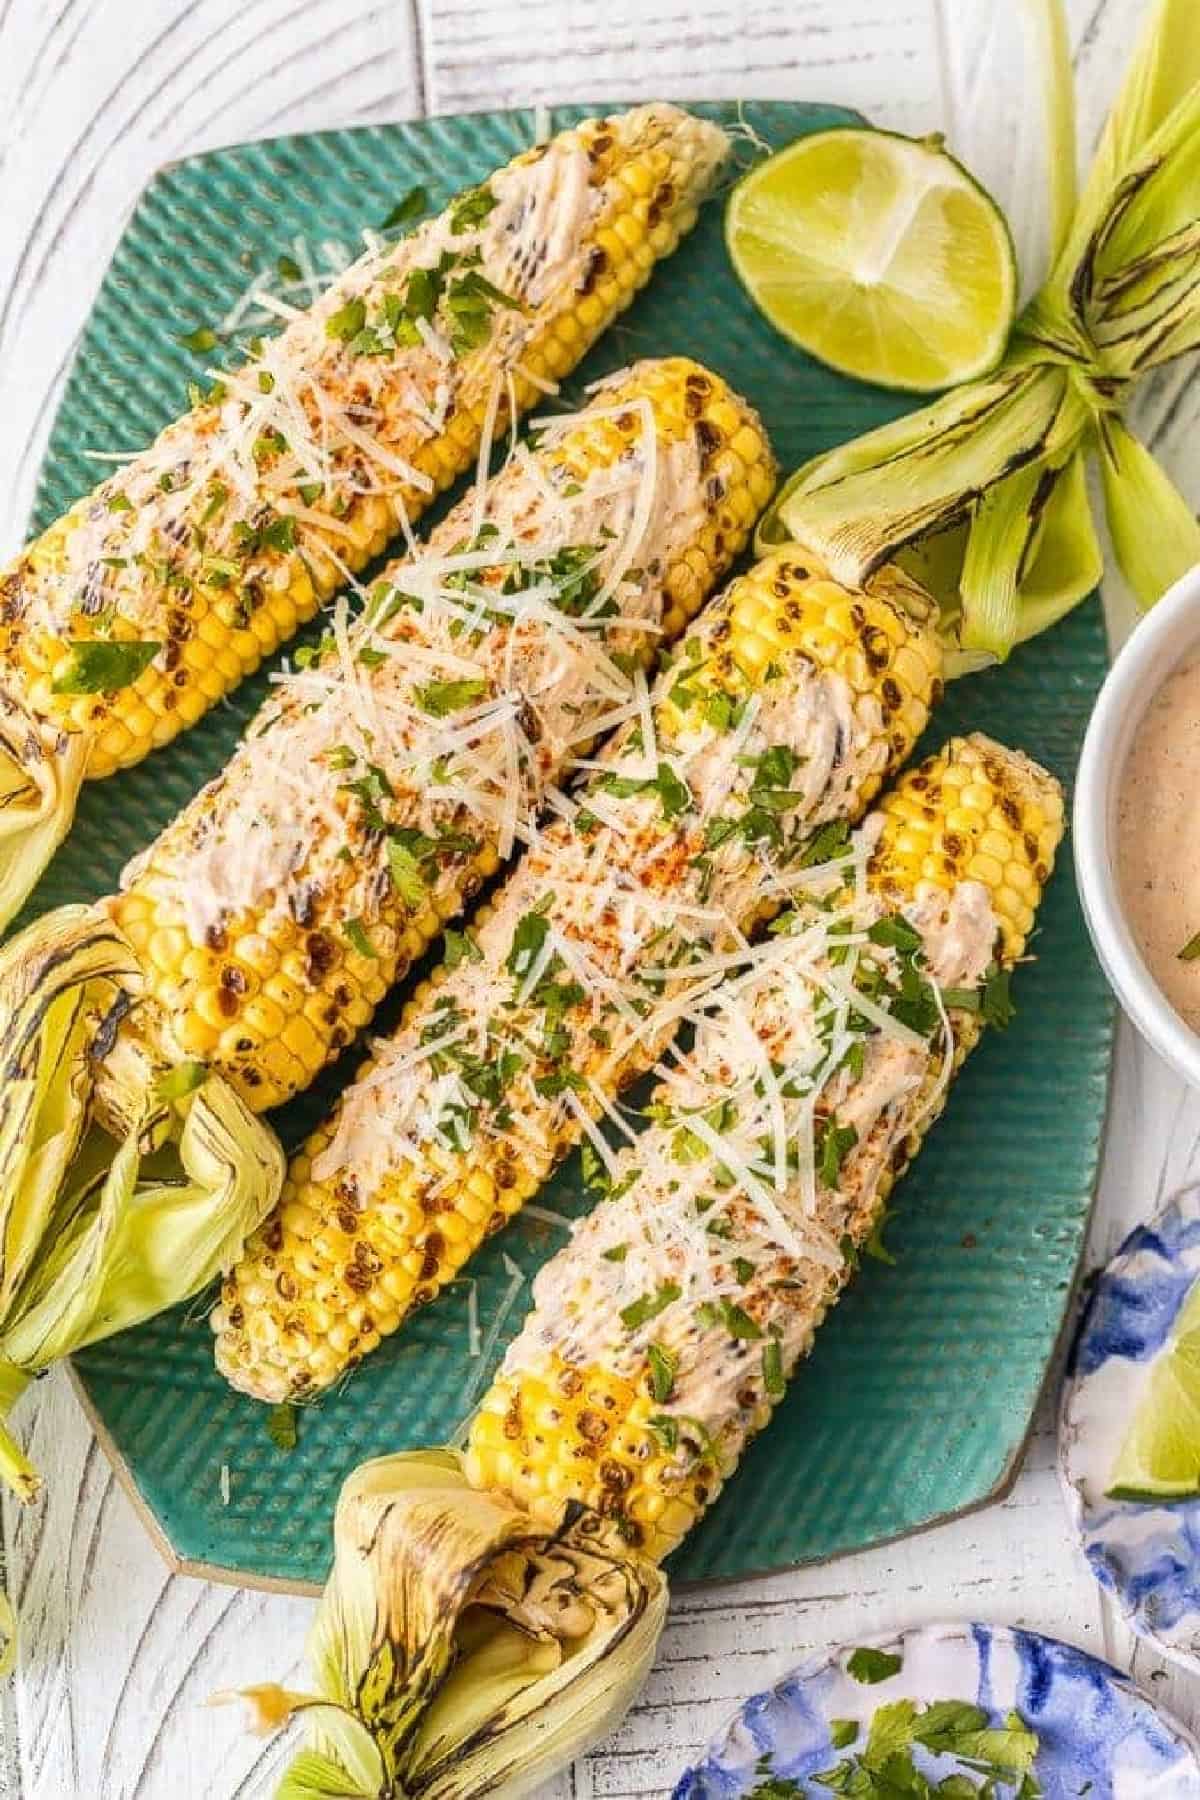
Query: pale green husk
point(40, 778)
point(96, 1233)
point(438, 1676)
point(993, 473)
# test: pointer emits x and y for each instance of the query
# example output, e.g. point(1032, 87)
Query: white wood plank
point(94, 94)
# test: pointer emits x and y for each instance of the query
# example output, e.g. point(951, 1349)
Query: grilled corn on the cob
point(663, 1335)
point(389, 777)
point(789, 701)
point(157, 593)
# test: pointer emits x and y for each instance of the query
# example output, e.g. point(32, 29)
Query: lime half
point(1160, 1458)
point(879, 254)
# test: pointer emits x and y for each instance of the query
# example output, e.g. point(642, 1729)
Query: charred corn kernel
point(158, 592)
point(642, 1409)
point(579, 969)
point(272, 915)
point(205, 555)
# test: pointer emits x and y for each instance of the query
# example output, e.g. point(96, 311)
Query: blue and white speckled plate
point(1147, 1556)
point(1097, 1734)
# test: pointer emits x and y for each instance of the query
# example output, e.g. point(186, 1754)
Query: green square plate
point(918, 1399)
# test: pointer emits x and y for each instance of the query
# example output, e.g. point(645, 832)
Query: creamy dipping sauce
point(1158, 838)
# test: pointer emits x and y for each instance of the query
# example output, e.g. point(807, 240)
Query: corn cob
point(663, 1335)
point(384, 781)
point(157, 593)
point(778, 720)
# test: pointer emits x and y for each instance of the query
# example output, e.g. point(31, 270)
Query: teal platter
point(918, 1399)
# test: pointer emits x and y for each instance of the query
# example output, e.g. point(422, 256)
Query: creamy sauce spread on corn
point(725, 1237)
point(1158, 839)
point(467, 702)
point(327, 414)
point(637, 914)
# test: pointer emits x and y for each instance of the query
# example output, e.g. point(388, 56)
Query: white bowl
point(1165, 638)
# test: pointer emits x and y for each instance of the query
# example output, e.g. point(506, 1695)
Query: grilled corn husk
point(783, 711)
point(662, 1337)
point(159, 591)
point(385, 778)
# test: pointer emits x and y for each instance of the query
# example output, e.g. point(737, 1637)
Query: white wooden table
point(118, 1657)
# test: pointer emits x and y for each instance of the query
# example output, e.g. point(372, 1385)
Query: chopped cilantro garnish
point(203, 339)
point(443, 697)
point(405, 870)
point(471, 208)
point(732, 1318)
point(281, 1426)
point(772, 1369)
point(823, 846)
point(356, 936)
point(462, 946)
point(529, 935)
point(278, 533)
point(348, 320)
point(870, 1666)
point(119, 503)
point(673, 792)
point(288, 269)
point(103, 666)
point(407, 209)
point(833, 1143)
point(1191, 950)
point(648, 1306)
point(895, 933)
point(664, 1365)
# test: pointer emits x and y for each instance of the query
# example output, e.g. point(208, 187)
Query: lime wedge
point(878, 254)
point(1160, 1459)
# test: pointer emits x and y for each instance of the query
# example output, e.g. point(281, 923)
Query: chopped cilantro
point(833, 1143)
point(281, 1426)
point(471, 208)
point(462, 946)
point(203, 339)
point(895, 933)
point(674, 794)
point(279, 533)
point(102, 666)
point(870, 1666)
point(288, 269)
point(346, 323)
point(772, 1369)
point(528, 937)
point(407, 209)
point(732, 1318)
point(823, 846)
point(404, 867)
point(648, 1306)
point(443, 697)
point(664, 1365)
point(119, 503)
point(356, 936)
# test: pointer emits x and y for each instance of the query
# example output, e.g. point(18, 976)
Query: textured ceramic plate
point(1148, 1557)
point(1097, 1735)
point(918, 1400)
